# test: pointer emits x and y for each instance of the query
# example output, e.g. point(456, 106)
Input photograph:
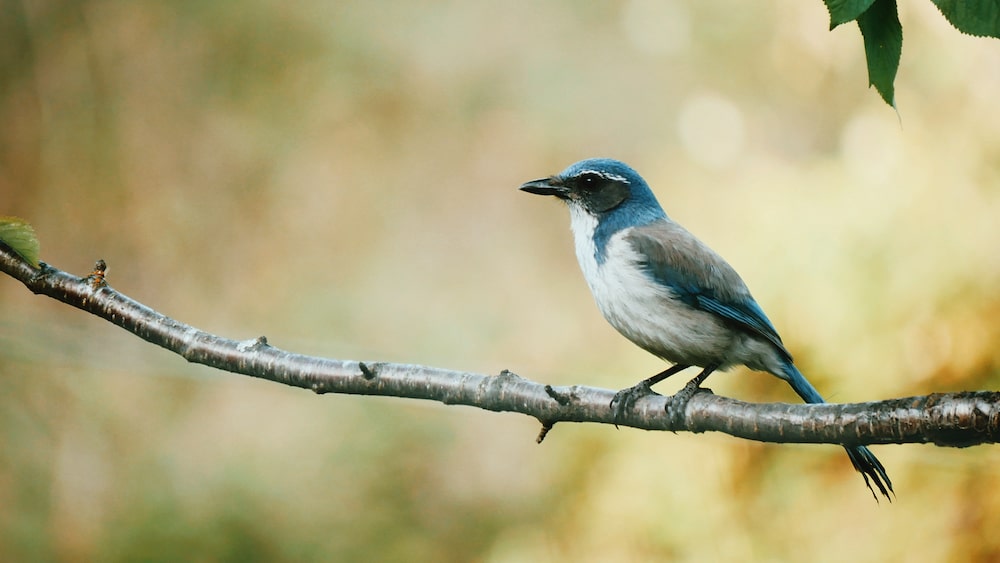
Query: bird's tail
point(861, 457)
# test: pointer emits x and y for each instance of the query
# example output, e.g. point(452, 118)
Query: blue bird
point(668, 292)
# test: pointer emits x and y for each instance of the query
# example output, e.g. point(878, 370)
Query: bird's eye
point(590, 180)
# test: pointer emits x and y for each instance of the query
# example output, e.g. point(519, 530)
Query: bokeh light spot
point(711, 130)
point(657, 27)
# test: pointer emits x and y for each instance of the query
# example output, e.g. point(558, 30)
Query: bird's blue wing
point(700, 278)
point(746, 313)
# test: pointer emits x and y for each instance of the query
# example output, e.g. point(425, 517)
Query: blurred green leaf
point(19, 235)
point(843, 11)
point(883, 37)
point(974, 17)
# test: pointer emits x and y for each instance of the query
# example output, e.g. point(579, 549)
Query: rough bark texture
point(954, 419)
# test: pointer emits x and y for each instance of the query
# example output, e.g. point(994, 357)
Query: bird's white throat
point(583, 225)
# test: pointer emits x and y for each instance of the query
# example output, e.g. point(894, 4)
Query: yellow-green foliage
point(18, 234)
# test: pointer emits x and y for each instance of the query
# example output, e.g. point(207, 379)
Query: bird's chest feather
point(645, 312)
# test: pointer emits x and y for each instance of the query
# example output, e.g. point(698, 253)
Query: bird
point(669, 293)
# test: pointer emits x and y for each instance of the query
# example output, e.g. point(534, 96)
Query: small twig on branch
point(954, 419)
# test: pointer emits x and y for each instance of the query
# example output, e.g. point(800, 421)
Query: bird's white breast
point(647, 313)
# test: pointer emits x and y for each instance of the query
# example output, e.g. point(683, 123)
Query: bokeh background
point(341, 176)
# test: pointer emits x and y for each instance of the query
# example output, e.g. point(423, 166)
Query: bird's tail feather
point(861, 457)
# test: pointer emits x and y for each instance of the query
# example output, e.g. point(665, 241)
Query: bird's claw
point(677, 403)
point(625, 399)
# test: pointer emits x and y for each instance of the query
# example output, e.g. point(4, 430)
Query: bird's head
point(603, 188)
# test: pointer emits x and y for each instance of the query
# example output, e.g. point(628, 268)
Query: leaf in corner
point(18, 234)
point(843, 11)
point(974, 17)
point(883, 36)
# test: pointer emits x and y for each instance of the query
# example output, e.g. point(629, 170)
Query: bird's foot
point(625, 399)
point(677, 403)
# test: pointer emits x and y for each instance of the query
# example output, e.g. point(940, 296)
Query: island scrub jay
point(667, 291)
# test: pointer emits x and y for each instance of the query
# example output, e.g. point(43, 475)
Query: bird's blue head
point(608, 190)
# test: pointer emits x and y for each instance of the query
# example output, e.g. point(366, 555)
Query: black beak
point(546, 186)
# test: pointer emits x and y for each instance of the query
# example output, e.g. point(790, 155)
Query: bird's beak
point(546, 186)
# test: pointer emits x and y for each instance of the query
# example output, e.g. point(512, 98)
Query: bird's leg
point(624, 399)
point(694, 385)
point(679, 400)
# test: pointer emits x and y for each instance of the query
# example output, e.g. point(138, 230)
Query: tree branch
point(954, 419)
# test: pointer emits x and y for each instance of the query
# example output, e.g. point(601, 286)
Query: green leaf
point(883, 36)
point(843, 11)
point(19, 235)
point(974, 17)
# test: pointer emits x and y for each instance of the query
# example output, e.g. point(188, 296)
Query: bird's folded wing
point(699, 277)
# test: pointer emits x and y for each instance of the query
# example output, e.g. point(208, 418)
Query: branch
point(954, 419)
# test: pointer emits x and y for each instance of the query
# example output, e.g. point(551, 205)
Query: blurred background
point(342, 177)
